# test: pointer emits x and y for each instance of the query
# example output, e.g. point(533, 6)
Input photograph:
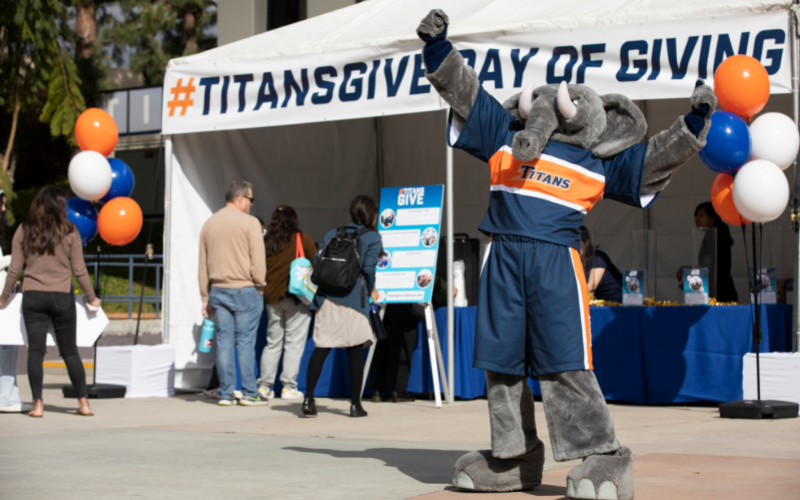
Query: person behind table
point(49, 246)
point(705, 216)
point(604, 279)
point(289, 318)
point(391, 363)
point(10, 401)
point(232, 275)
point(340, 320)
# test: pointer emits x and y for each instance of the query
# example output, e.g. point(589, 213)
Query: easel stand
point(757, 409)
point(435, 352)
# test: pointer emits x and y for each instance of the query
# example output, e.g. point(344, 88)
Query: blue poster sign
point(409, 220)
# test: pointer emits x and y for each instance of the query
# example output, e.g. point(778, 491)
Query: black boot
point(310, 409)
point(356, 410)
point(401, 397)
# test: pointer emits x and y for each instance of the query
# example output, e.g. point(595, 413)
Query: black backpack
point(339, 264)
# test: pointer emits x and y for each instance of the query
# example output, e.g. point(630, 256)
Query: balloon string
point(747, 267)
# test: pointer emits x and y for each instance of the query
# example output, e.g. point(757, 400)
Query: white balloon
point(775, 138)
point(760, 191)
point(89, 175)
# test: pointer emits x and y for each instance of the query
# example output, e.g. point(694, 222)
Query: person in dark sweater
point(706, 216)
point(604, 279)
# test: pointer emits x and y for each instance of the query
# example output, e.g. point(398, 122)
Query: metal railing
point(103, 262)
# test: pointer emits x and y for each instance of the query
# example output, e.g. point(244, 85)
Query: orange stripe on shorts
point(576, 262)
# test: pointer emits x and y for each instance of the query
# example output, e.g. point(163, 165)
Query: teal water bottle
point(206, 336)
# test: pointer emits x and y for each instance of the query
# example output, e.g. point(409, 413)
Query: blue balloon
point(727, 144)
point(83, 214)
point(122, 181)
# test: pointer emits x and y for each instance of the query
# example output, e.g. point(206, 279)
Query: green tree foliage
point(34, 67)
point(64, 99)
point(155, 31)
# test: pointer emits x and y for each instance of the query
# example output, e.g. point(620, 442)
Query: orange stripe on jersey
point(580, 274)
point(547, 178)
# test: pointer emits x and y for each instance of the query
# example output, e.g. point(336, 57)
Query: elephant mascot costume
point(553, 152)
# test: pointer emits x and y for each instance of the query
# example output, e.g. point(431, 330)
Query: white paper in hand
point(12, 327)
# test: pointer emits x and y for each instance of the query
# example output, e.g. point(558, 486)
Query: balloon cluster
point(93, 178)
point(750, 184)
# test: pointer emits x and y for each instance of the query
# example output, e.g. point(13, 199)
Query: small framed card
point(695, 287)
point(633, 287)
point(769, 286)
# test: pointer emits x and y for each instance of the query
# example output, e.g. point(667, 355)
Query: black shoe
point(310, 409)
point(401, 397)
point(356, 410)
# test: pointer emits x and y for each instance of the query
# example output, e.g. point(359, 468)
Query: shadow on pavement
point(296, 409)
point(425, 466)
point(545, 490)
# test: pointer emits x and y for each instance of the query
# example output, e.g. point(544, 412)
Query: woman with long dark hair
point(706, 216)
point(10, 401)
point(289, 317)
point(49, 247)
point(342, 320)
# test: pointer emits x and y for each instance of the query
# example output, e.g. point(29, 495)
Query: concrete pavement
point(187, 447)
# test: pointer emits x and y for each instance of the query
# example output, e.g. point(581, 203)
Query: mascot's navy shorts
point(533, 309)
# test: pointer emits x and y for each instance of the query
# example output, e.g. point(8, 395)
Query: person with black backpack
point(344, 272)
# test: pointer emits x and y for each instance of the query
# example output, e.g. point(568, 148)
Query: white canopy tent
point(322, 110)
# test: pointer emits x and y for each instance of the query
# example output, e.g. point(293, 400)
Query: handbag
point(300, 271)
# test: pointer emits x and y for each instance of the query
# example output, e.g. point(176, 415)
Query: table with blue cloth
point(648, 355)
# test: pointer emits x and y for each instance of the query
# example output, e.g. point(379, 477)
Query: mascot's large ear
point(626, 126)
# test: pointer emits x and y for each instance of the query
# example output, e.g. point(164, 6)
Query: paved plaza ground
point(187, 447)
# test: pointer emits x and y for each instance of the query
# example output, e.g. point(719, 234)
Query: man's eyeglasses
point(252, 200)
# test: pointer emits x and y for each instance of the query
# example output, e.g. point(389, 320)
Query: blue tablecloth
point(643, 355)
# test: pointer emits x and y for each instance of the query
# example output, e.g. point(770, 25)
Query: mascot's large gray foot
point(603, 477)
point(480, 471)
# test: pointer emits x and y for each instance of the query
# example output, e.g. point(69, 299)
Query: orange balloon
point(95, 130)
point(722, 199)
point(742, 85)
point(120, 221)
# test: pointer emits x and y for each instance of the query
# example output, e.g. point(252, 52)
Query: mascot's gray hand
point(704, 101)
point(703, 98)
point(526, 145)
point(433, 26)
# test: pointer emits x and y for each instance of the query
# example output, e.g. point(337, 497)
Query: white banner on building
point(646, 61)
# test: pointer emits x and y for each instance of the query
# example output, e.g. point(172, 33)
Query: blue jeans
point(237, 312)
point(9, 392)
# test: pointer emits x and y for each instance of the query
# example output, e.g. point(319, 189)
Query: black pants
point(391, 364)
point(38, 309)
point(355, 368)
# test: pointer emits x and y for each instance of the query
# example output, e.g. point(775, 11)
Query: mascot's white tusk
point(565, 104)
point(525, 101)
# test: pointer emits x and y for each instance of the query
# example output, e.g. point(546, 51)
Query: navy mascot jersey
point(546, 198)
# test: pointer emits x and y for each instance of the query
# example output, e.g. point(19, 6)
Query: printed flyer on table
point(409, 220)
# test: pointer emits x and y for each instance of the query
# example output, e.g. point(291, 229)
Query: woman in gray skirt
point(340, 320)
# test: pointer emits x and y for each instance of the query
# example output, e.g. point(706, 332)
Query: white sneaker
point(266, 392)
point(237, 395)
point(17, 408)
point(292, 393)
point(225, 402)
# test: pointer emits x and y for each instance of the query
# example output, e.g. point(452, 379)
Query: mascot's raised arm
point(553, 152)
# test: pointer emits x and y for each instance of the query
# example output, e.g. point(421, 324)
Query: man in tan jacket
point(233, 271)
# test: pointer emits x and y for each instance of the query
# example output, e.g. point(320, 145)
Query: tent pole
point(796, 113)
point(450, 299)
point(165, 306)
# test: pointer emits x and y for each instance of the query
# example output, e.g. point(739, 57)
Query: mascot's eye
point(575, 102)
